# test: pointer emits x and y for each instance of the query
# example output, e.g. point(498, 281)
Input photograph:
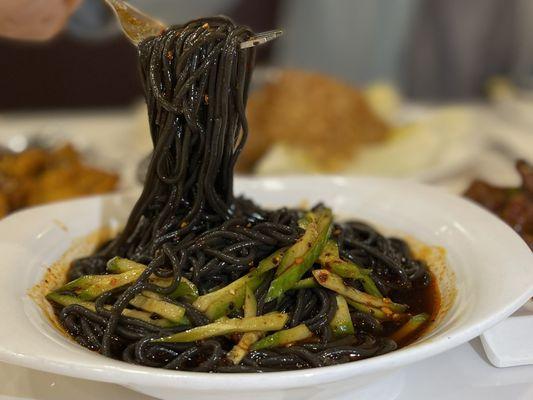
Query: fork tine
point(261, 38)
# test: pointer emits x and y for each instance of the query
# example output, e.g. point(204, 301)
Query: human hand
point(34, 19)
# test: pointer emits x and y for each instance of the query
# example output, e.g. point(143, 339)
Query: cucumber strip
point(300, 257)
point(342, 324)
point(306, 283)
point(90, 287)
point(285, 337)
point(334, 282)
point(220, 302)
point(331, 260)
point(250, 303)
point(239, 351)
point(149, 302)
point(377, 313)
point(118, 265)
point(67, 300)
point(410, 327)
point(294, 254)
point(269, 322)
point(185, 289)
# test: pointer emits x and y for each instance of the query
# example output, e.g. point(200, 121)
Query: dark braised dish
point(514, 205)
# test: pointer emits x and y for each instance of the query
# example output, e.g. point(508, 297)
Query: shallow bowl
point(493, 270)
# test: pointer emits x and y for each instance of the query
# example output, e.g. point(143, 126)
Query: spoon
point(138, 26)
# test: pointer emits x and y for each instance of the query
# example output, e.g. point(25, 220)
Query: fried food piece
point(38, 176)
point(4, 205)
point(513, 205)
point(29, 162)
point(325, 117)
point(70, 181)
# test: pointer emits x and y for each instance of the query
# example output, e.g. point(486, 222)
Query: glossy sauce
point(420, 300)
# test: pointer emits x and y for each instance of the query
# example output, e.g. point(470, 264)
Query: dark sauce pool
point(425, 299)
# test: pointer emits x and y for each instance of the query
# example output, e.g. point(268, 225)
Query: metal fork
point(138, 26)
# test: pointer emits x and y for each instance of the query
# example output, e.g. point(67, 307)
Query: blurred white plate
point(105, 139)
point(428, 142)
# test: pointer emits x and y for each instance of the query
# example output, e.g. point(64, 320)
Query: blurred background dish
point(105, 139)
point(33, 172)
point(514, 205)
point(312, 114)
point(306, 122)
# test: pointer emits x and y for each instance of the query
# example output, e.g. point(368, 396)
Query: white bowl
point(493, 268)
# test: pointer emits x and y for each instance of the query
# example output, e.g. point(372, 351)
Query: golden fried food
point(4, 204)
point(38, 176)
point(327, 118)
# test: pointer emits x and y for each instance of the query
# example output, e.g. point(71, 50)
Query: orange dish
point(37, 176)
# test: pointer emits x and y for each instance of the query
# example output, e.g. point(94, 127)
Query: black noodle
point(187, 222)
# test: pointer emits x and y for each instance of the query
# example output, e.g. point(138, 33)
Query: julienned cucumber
point(300, 257)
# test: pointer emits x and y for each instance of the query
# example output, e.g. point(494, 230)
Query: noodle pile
point(187, 229)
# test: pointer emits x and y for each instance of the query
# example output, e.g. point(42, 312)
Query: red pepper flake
point(170, 55)
point(299, 260)
point(113, 281)
point(322, 277)
point(387, 311)
point(396, 317)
